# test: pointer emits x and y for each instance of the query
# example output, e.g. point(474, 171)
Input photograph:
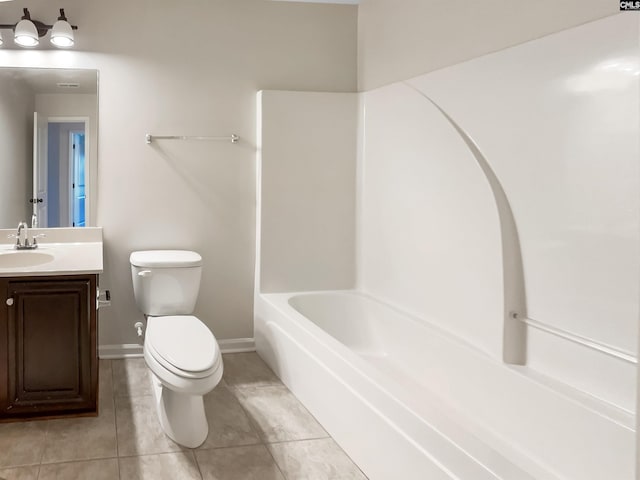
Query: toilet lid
point(182, 342)
point(165, 259)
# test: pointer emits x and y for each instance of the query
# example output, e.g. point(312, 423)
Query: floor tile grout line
point(191, 452)
point(75, 460)
point(184, 450)
point(115, 418)
point(279, 384)
point(44, 442)
point(321, 438)
point(276, 462)
point(195, 459)
point(265, 441)
point(78, 460)
point(252, 422)
point(255, 385)
point(302, 440)
point(327, 434)
point(207, 449)
point(233, 387)
point(226, 447)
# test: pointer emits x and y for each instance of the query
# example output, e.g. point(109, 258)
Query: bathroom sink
point(19, 259)
point(63, 251)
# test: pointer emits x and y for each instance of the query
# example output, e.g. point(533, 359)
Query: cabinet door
point(49, 335)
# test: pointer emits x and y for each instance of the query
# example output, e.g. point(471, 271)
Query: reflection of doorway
point(66, 172)
point(77, 202)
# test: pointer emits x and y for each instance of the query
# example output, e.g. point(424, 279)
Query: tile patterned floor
point(257, 430)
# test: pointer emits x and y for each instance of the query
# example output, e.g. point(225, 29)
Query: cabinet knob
point(9, 301)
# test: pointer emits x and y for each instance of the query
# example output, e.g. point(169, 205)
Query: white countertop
point(72, 251)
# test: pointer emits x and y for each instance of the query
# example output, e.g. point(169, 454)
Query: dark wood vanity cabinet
point(48, 357)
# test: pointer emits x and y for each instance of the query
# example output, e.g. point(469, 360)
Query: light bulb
point(26, 34)
point(62, 34)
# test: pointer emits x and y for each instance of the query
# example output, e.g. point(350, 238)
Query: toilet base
point(181, 415)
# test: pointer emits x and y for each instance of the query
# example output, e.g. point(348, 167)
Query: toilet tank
point(166, 282)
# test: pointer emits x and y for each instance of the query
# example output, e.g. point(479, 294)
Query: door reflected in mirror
point(48, 146)
point(60, 171)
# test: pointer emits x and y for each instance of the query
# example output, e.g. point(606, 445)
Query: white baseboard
point(134, 350)
point(237, 345)
point(125, 350)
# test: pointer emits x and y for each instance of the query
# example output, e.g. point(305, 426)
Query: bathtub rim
point(335, 350)
point(453, 426)
point(604, 409)
point(526, 460)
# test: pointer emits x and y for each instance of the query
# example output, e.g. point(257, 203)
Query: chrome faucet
point(22, 238)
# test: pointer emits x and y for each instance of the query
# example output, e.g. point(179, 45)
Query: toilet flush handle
point(144, 273)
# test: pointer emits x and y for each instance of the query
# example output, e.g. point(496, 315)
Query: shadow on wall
point(514, 348)
point(207, 169)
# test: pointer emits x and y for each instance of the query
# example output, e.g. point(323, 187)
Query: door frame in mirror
point(88, 165)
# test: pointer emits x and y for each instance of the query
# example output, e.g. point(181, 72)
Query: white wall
point(155, 78)
point(307, 151)
point(16, 152)
point(399, 39)
point(558, 121)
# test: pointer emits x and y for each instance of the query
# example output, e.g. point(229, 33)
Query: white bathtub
point(408, 401)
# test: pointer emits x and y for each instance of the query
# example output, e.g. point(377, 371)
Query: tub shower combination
point(406, 394)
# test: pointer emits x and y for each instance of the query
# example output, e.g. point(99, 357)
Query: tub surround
point(424, 368)
point(544, 114)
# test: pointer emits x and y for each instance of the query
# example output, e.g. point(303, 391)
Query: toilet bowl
point(181, 352)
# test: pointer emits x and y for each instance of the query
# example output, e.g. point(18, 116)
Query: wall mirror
point(48, 146)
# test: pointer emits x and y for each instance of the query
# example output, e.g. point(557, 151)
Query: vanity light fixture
point(27, 32)
point(62, 32)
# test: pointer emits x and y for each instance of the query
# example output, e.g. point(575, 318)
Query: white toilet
point(179, 349)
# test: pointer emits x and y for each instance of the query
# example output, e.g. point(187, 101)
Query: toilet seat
point(183, 345)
